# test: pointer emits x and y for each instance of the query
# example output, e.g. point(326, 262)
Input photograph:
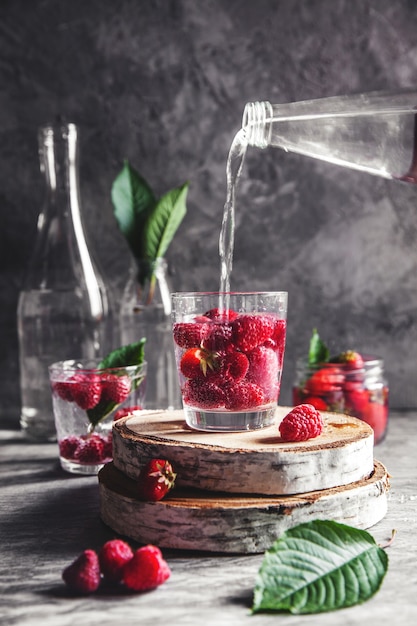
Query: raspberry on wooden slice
point(303, 422)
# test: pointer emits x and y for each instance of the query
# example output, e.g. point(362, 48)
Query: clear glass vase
point(146, 312)
point(63, 308)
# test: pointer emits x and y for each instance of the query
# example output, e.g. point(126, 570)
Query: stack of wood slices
point(238, 492)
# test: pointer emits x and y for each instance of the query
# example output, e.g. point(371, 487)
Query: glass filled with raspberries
point(349, 383)
point(229, 350)
point(86, 399)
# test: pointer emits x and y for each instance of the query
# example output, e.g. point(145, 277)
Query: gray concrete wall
point(164, 83)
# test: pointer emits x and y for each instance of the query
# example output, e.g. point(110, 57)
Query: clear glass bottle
point(338, 387)
point(146, 312)
point(374, 133)
point(63, 308)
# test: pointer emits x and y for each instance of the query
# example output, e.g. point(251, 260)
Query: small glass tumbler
point(229, 350)
point(359, 391)
point(86, 400)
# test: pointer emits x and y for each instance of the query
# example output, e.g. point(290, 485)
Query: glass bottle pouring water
point(63, 310)
point(374, 133)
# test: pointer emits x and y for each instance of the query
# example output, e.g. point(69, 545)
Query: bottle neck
point(257, 123)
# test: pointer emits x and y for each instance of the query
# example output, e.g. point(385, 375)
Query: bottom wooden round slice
point(194, 520)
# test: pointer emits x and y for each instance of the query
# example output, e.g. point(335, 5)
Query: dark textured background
point(164, 83)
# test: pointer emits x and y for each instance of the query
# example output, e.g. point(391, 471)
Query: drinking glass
point(229, 350)
point(86, 400)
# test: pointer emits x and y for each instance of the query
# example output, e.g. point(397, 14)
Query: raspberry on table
point(83, 575)
point(146, 570)
point(303, 422)
point(113, 556)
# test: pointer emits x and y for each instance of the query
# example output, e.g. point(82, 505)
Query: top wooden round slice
point(250, 462)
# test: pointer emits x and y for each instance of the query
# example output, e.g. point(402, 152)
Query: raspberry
point(127, 410)
point(264, 371)
point(115, 388)
point(243, 395)
point(64, 390)
point(86, 390)
point(218, 336)
point(91, 451)
point(203, 393)
point(234, 365)
point(188, 334)
point(302, 423)
point(251, 330)
point(83, 575)
point(146, 570)
point(113, 556)
point(69, 445)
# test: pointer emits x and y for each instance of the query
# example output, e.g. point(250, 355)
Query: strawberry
point(315, 401)
point(126, 410)
point(351, 360)
point(86, 390)
point(263, 370)
point(356, 397)
point(376, 415)
point(113, 556)
point(146, 570)
point(325, 380)
point(83, 575)
point(251, 330)
point(115, 388)
point(188, 334)
point(202, 393)
point(303, 422)
point(243, 395)
point(197, 362)
point(156, 479)
point(221, 315)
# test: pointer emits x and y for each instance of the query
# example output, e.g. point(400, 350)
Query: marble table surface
point(47, 517)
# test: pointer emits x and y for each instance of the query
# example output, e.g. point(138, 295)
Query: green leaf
point(133, 200)
point(132, 354)
point(163, 222)
point(318, 351)
point(319, 566)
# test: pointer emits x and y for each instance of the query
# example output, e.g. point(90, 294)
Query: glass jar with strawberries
point(349, 383)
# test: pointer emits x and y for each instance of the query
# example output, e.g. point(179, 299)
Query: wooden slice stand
point(237, 492)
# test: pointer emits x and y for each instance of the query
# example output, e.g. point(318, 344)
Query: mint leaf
point(163, 222)
point(319, 566)
point(318, 351)
point(132, 354)
point(133, 200)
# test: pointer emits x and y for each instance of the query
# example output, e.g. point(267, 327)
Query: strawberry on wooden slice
point(155, 480)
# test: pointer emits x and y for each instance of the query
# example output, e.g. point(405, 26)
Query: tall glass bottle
point(63, 309)
point(146, 312)
point(374, 133)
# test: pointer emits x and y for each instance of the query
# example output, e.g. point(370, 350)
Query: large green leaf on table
point(319, 566)
point(133, 200)
point(163, 222)
point(318, 351)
